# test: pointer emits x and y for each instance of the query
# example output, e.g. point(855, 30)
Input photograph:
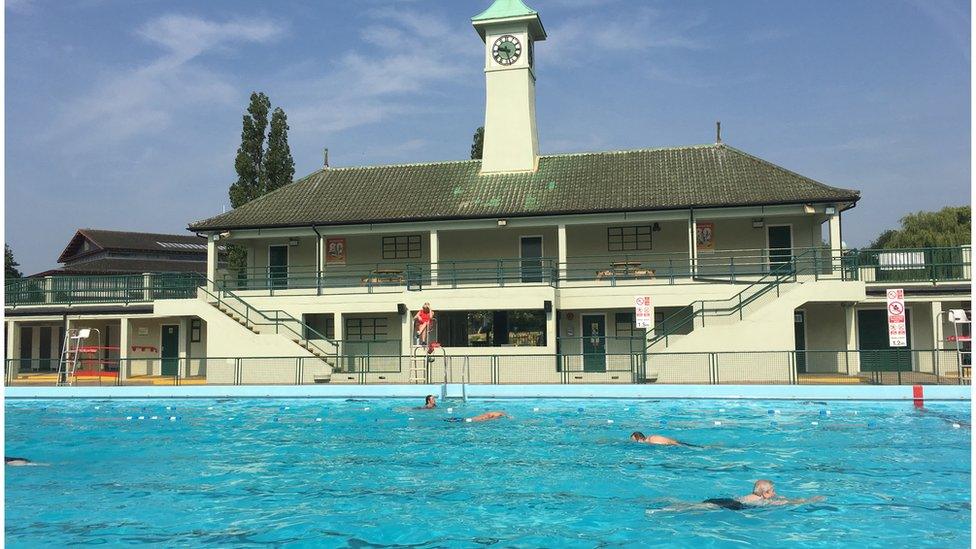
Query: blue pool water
point(558, 474)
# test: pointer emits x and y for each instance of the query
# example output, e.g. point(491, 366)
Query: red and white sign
point(643, 312)
point(897, 334)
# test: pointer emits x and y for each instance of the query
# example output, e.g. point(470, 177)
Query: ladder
point(963, 336)
point(68, 363)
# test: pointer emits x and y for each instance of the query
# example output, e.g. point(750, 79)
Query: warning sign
point(897, 334)
point(643, 312)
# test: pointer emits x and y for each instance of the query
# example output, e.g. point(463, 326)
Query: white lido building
point(532, 263)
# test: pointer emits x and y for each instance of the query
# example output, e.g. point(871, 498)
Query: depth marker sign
point(643, 312)
point(897, 335)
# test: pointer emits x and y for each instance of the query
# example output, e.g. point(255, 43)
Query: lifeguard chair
point(422, 356)
point(78, 351)
point(963, 338)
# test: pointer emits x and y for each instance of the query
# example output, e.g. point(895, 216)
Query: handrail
point(779, 274)
point(276, 321)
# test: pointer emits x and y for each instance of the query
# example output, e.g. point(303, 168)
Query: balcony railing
point(67, 290)
point(910, 265)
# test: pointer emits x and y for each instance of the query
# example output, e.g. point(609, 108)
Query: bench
point(383, 276)
point(624, 269)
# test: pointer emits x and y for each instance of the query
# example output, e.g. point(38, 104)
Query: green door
point(170, 350)
point(800, 338)
point(872, 336)
point(594, 343)
point(278, 266)
point(530, 249)
point(780, 245)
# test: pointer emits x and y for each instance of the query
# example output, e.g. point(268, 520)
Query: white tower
point(509, 29)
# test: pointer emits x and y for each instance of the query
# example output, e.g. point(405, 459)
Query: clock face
point(506, 50)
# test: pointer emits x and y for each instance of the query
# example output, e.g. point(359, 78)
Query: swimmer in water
point(638, 436)
point(763, 493)
point(430, 402)
point(487, 416)
point(17, 462)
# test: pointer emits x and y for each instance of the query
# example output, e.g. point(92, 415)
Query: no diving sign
point(897, 334)
point(643, 312)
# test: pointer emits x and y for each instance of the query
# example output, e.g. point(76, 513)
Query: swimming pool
point(560, 473)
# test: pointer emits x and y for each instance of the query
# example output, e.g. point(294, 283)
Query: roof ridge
point(136, 232)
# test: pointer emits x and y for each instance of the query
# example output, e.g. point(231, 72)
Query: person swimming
point(763, 493)
point(487, 416)
point(638, 436)
point(17, 461)
point(430, 402)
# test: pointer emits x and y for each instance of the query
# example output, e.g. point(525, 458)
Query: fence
point(895, 366)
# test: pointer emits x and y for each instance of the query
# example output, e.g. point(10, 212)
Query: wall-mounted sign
point(705, 236)
point(643, 312)
point(335, 251)
point(897, 334)
point(142, 330)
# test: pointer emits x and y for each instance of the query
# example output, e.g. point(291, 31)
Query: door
point(530, 250)
point(170, 350)
point(44, 352)
point(26, 348)
point(780, 244)
point(872, 337)
point(594, 343)
point(278, 266)
point(800, 338)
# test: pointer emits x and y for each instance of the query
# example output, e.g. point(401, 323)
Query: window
point(624, 325)
point(196, 327)
point(491, 328)
point(629, 239)
point(366, 329)
point(401, 247)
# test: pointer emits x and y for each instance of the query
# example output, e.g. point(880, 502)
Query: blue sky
point(127, 114)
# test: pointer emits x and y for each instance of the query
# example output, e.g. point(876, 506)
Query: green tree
point(949, 226)
point(479, 143)
point(279, 166)
point(10, 264)
point(260, 169)
point(250, 155)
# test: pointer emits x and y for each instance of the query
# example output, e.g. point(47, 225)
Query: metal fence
point(895, 366)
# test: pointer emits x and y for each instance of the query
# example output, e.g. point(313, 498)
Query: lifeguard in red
point(423, 320)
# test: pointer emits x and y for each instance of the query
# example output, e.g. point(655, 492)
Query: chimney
point(325, 155)
point(718, 132)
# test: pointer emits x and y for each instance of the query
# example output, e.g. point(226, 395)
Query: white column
point(123, 348)
point(563, 246)
point(833, 226)
point(434, 257)
point(406, 332)
point(936, 325)
point(850, 325)
point(692, 244)
point(212, 261)
point(13, 346)
point(551, 333)
point(182, 364)
point(147, 286)
point(340, 336)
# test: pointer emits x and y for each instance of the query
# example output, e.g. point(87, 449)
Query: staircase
point(272, 321)
point(728, 311)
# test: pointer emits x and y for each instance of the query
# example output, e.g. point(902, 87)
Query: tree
point(947, 227)
point(279, 166)
point(10, 264)
point(250, 154)
point(260, 170)
point(479, 143)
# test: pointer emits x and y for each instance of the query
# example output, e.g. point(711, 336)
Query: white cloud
point(408, 55)
point(145, 99)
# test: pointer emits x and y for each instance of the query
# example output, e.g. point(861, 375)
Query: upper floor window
point(629, 239)
point(366, 329)
point(401, 247)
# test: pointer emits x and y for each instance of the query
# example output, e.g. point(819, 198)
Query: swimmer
point(17, 462)
point(430, 402)
point(638, 436)
point(763, 493)
point(487, 416)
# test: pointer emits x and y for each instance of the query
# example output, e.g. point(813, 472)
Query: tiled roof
point(640, 180)
point(132, 241)
point(128, 266)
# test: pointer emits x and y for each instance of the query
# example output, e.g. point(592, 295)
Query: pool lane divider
point(645, 391)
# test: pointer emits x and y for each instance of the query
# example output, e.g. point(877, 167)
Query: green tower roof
point(501, 9)
point(507, 10)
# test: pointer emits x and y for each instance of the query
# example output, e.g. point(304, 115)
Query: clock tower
point(510, 30)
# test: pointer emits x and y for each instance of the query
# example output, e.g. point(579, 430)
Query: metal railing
point(884, 367)
point(745, 266)
point(63, 290)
